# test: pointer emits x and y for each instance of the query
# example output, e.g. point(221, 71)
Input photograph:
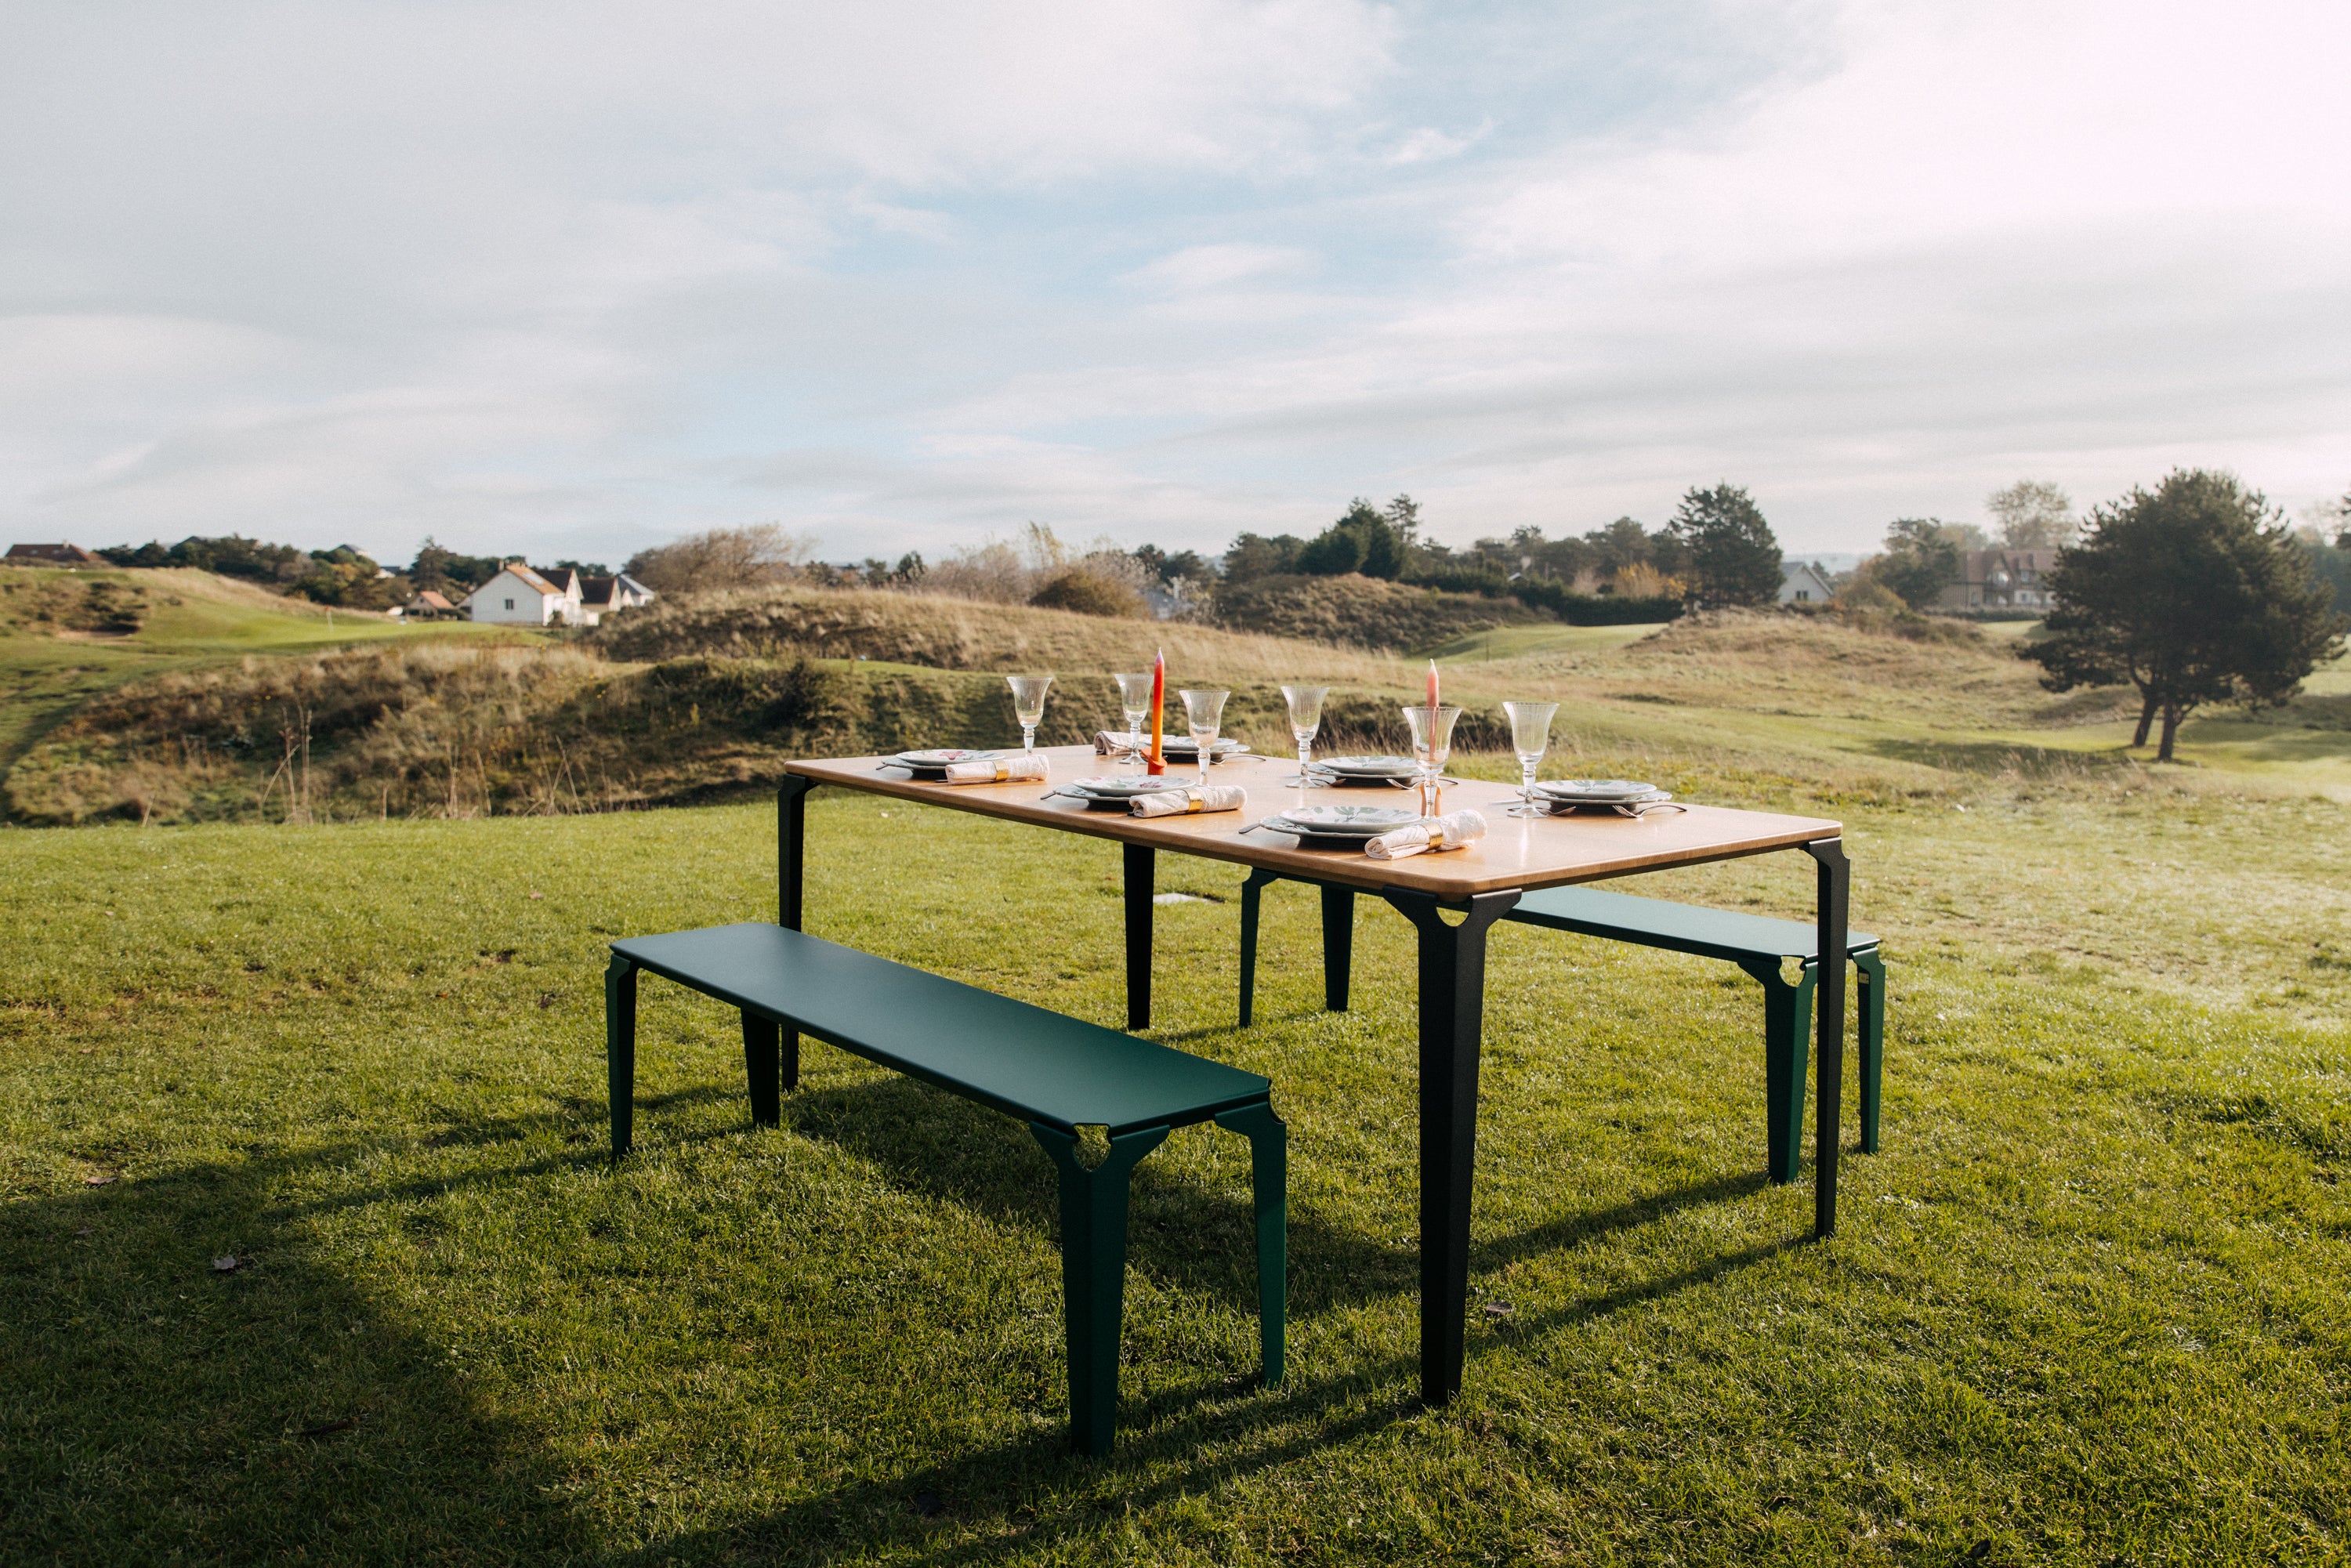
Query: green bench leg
point(1094, 1274)
point(1787, 1039)
point(1872, 1030)
point(763, 1061)
point(621, 1048)
point(1270, 1187)
point(1338, 942)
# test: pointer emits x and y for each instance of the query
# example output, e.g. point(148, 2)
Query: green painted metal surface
point(1676, 927)
point(1024, 1060)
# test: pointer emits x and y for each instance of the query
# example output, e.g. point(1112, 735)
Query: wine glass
point(1530, 737)
point(1305, 718)
point(1201, 712)
point(1432, 743)
point(1029, 706)
point(1134, 701)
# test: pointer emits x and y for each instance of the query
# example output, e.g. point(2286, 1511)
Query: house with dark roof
point(50, 555)
point(2001, 579)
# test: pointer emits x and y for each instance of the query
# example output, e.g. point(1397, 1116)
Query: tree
point(2194, 592)
point(1922, 557)
point(1252, 556)
point(2033, 514)
point(720, 559)
point(1364, 540)
point(1733, 558)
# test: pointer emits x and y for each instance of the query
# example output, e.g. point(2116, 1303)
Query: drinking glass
point(1134, 701)
point(1029, 706)
point(1201, 712)
point(1530, 737)
point(1305, 718)
point(1432, 743)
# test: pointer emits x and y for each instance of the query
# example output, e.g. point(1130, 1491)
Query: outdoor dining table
point(1479, 885)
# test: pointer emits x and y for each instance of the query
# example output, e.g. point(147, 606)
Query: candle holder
point(1432, 743)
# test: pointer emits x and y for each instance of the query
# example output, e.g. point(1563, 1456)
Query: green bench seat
point(1054, 1073)
point(1756, 943)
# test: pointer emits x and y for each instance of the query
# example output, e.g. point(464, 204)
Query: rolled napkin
point(1455, 829)
point(999, 770)
point(1177, 802)
point(1110, 744)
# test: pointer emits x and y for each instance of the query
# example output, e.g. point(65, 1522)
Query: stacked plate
point(1625, 795)
point(1180, 745)
point(1111, 792)
point(934, 764)
point(1355, 823)
point(1364, 769)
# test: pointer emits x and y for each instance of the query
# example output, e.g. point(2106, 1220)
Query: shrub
point(1088, 593)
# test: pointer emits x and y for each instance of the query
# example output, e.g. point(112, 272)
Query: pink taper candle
point(1157, 762)
point(1432, 682)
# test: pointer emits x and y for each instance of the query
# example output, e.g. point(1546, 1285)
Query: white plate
point(1174, 744)
point(1119, 787)
point(946, 758)
point(1342, 821)
point(1595, 790)
point(1369, 767)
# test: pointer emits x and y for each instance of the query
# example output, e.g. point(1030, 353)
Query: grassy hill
point(67, 637)
point(691, 703)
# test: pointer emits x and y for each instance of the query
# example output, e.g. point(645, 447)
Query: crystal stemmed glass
point(1530, 737)
point(1305, 718)
point(1432, 743)
point(1202, 710)
point(1029, 706)
point(1134, 701)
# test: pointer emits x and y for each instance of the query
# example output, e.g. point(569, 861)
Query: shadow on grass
point(1190, 1236)
point(158, 1408)
point(1016, 1498)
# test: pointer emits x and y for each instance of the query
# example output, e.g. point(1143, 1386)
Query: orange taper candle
point(1432, 682)
point(1157, 762)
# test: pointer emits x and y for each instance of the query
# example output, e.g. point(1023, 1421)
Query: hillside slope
point(1769, 703)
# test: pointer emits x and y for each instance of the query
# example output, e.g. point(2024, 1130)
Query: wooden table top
point(1521, 853)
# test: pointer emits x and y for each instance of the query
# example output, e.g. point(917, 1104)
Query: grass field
point(193, 620)
point(2087, 1306)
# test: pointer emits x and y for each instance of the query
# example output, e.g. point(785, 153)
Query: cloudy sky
point(569, 278)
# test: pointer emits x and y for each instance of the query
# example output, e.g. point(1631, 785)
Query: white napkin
point(1001, 770)
point(1177, 802)
point(1454, 830)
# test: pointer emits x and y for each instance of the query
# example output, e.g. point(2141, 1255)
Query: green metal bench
point(1756, 943)
point(1056, 1073)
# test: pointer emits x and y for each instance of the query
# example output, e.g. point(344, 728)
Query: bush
point(1088, 594)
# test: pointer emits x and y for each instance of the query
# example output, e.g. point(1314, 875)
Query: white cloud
point(572, 276)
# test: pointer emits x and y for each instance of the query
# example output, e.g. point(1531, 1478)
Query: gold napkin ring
point(1436, 835)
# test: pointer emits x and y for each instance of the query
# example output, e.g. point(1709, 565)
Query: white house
point(519, 596)
point(1803, 582)
point(600, 596)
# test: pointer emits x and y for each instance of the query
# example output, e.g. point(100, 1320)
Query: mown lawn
point(2088, 1307)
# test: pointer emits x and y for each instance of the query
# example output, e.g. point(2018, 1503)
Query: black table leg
point(1338, 943)
point(792, 840)
point(1452, 1017)
point(1833, 895)
point(1139, 872)
point(791, 844)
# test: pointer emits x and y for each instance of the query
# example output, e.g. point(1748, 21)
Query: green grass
point(2086, 1307)
point(194, 620)
point(1520, 641)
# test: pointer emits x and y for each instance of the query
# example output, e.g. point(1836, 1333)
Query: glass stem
point(1527, 780)
point(1028, 737)
point(1305, 757)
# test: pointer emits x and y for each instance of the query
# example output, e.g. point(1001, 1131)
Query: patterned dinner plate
point(1342, 821)
point(946, 758)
